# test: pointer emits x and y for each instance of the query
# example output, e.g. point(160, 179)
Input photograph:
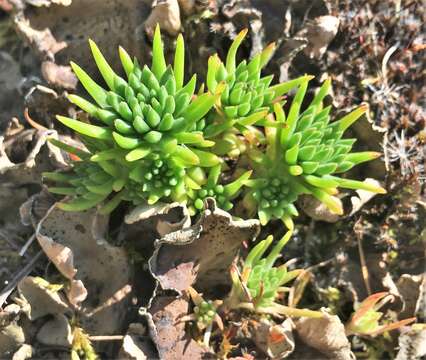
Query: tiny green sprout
point(205, 314)
point(259, 283)
point(365, 320)
point(303, 152)
point(81, 346)
point(247, 97)
point(200, 187)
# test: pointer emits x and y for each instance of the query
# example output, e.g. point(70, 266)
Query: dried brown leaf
point(327, 335)
point(166, 13)
point(69, 243)
point(275, 340)
point(58, 75)
point(202, 253)
point(41, 300)
point(168, 332)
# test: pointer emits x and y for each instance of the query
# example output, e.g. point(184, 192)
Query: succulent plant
point(259, 283)
point(152, 112)
point(247, 97)
point(200, 187)
point(365, 320)
point(155, 140)
point(149, 131)
point(90, 183)
point(205, 314)
point(303, 152)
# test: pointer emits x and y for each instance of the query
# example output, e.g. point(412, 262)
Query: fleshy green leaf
point(232, 52)
point(158, 62)
point(86, 129)
point(179, 62)
point(105, 69)
point(98, 93)
point(126, 61)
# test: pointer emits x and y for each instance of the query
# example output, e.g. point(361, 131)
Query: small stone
point(56, 332)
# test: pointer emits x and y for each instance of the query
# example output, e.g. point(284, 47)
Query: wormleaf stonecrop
point(246, 99)
point(202, 187)
point(303, 153)
point(148, 129)
point(153, 111)
point(259, 283)
point(153, 139)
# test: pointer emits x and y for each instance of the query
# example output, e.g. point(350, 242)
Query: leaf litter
point(372, 50)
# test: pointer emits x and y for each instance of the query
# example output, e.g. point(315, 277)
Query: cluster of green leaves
point(303, 152)
point(153, 138)
point(368, 320)
point(205, 313)
point(258, 284)
point(147, 144)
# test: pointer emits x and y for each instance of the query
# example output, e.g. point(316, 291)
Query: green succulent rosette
point(258, 285)
point(88, 183)
point(205, 313)
point(304, 152)
point(264, 280)
point(145, 127)
point(246, 99)
point(200, 187)
point(150, 112)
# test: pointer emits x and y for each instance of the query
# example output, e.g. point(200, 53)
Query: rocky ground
point(101, 286)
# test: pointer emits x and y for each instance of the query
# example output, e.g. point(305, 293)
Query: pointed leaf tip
point(158, 61)
point(105, 69)
point(96, 92)
point(126, 60)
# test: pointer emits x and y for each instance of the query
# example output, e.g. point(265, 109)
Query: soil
point(134, 289)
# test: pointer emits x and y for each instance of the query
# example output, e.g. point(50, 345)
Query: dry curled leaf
point(412, 345)
point(42, 41)
point(68, 241)
point(136, 344)
point(56, 332)
point(168, 217)
point(362, 197)
point(168, 332)
point(275, 340)
point(58, 75)
point(316, 209)
point(11, 338)
point(48, 2)
point(409, 288)
point(24, 352)
point(58, 33)
point(202, 253)
point(319, 33)
point(327, 335)
point(41, 300)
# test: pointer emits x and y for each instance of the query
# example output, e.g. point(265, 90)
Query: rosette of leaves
point(147, 126)
point(150, 112)
point(90, 183)
point(246, 99)
point(201, 186)
point(259, 283)
point(97, 179)
point(304, 152)
point(366, 320)
point(205, 314)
